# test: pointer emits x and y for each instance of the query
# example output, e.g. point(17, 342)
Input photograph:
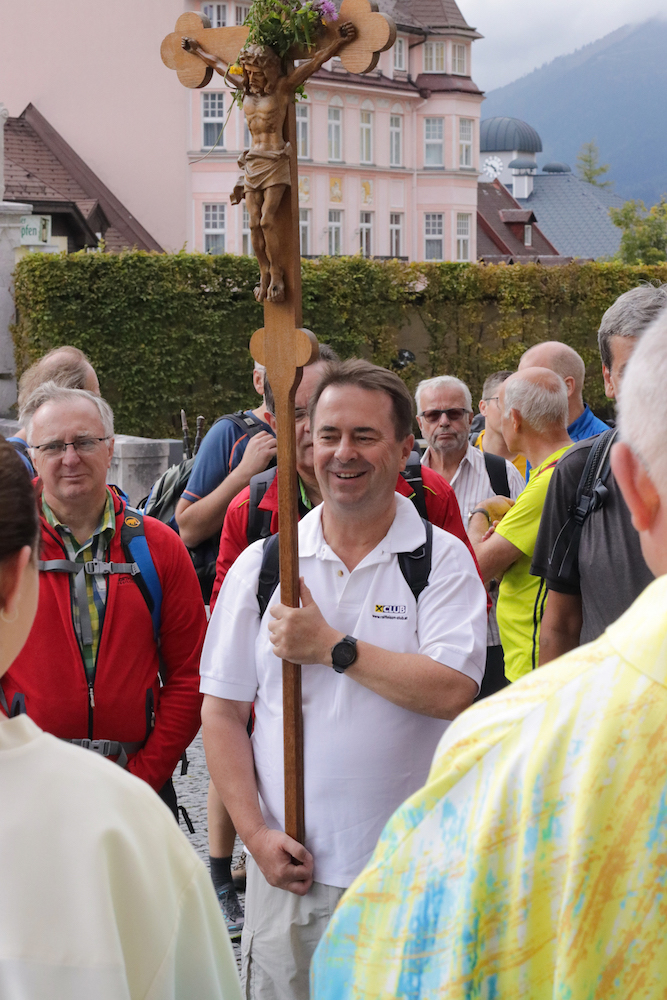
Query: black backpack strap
point(496, 467)
point(259, 521)
point(412, 473)
point(269, 573)
point(416, 565)
point(246, 422)
point(590, 496)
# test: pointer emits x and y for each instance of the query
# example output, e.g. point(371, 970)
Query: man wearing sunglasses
point(444, 414)
point(90, 670)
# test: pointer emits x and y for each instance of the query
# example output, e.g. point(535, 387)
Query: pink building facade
point(388, 162)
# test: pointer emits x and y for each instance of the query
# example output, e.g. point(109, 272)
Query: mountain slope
point(614, 91)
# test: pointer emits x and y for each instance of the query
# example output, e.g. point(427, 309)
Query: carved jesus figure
point(266, 170)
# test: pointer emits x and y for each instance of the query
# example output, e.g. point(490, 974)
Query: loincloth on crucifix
point(261, 169)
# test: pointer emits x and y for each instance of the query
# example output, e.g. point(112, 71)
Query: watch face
point(344, 653)
point(493, 167)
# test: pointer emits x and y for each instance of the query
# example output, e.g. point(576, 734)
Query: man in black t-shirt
point(609, 571)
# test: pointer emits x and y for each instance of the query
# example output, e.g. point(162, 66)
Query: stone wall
point(137, 462)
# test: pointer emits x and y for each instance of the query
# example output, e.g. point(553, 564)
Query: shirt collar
point(472, 456)
point(640, 635)
point(106, 525)
point(405, 534)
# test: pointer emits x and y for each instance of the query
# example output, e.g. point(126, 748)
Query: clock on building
point(493, 167)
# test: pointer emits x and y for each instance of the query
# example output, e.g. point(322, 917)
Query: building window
point(399, 54)
point(335, 134)
point(335, 231)
point(302, 130)
point(395, 234)
point(433, 141)
point(465, 142)
point(462, 237)
point(214, 229)
point(459, 59)
point(213, 116)
point(366, 233)
point(245, 234)
point(433, 231)
point(528, 236)
point(395, 140)
point(246, 133)
point(216, 13)
point(304, 231)
point(434, 57)
point(366, 138)
point(242, 11)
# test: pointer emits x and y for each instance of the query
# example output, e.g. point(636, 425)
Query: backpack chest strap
point(92, 567)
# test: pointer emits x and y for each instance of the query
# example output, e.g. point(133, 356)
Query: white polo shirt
point(363, 755)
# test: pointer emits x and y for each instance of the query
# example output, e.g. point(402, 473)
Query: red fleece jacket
point(50, 669)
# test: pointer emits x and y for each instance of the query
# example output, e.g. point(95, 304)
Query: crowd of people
point(510, 847)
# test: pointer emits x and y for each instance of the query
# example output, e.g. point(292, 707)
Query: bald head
point(66, 366)
point(539, 396)
point(560, 359)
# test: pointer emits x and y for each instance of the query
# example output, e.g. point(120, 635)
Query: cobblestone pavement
point(191, 790)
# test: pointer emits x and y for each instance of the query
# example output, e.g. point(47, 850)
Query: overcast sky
point(520, 35)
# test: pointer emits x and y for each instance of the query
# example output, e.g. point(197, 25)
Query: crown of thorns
point(259, 57)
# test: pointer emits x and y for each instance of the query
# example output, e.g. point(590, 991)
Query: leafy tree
point(589, 168)
point(644, 239)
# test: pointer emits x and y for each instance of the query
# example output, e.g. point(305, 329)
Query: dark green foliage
point(170, 331)
point(644, 239)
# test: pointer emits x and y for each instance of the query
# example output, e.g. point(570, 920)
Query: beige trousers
point(280, 935)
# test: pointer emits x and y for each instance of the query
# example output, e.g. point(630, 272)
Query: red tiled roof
point(41, 167)
point(500, 222)
point(517, 215)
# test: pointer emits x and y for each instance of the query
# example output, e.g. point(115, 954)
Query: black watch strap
point(343, 654)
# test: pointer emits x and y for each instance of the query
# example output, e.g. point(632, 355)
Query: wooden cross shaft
point(284, 349)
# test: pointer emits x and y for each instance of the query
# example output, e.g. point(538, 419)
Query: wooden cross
point(281, 345)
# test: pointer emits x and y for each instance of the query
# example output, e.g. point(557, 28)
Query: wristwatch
point(343, 654)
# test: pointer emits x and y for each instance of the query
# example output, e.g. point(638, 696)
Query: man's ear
point(11, 577)
point(482, 407)
point(515, 417)
point(271, 421)
point(406, 450)
point(608, 387)
point(569, 385)
point(637, 487)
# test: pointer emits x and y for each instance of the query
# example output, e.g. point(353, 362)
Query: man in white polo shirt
point(383, 673)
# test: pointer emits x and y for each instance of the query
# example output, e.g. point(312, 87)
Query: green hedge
point(171, 331)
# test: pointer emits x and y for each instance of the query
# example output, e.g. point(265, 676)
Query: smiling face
point(445, 436)
point(304, 442)
point(73, 476)
point(356, 454)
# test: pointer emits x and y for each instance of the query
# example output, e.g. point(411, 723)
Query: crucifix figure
point(270, 187)
point(268, 91)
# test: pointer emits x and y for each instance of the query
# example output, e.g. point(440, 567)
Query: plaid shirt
point(96, 586)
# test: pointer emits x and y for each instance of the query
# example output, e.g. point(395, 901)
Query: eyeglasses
point(82, 445)
point(489, 399)
point(453, 414)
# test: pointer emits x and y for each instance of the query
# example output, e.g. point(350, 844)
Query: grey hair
point(447, 382)
point(630, 316)
point(641, 404)
point(541, 406)
point(49, 392)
